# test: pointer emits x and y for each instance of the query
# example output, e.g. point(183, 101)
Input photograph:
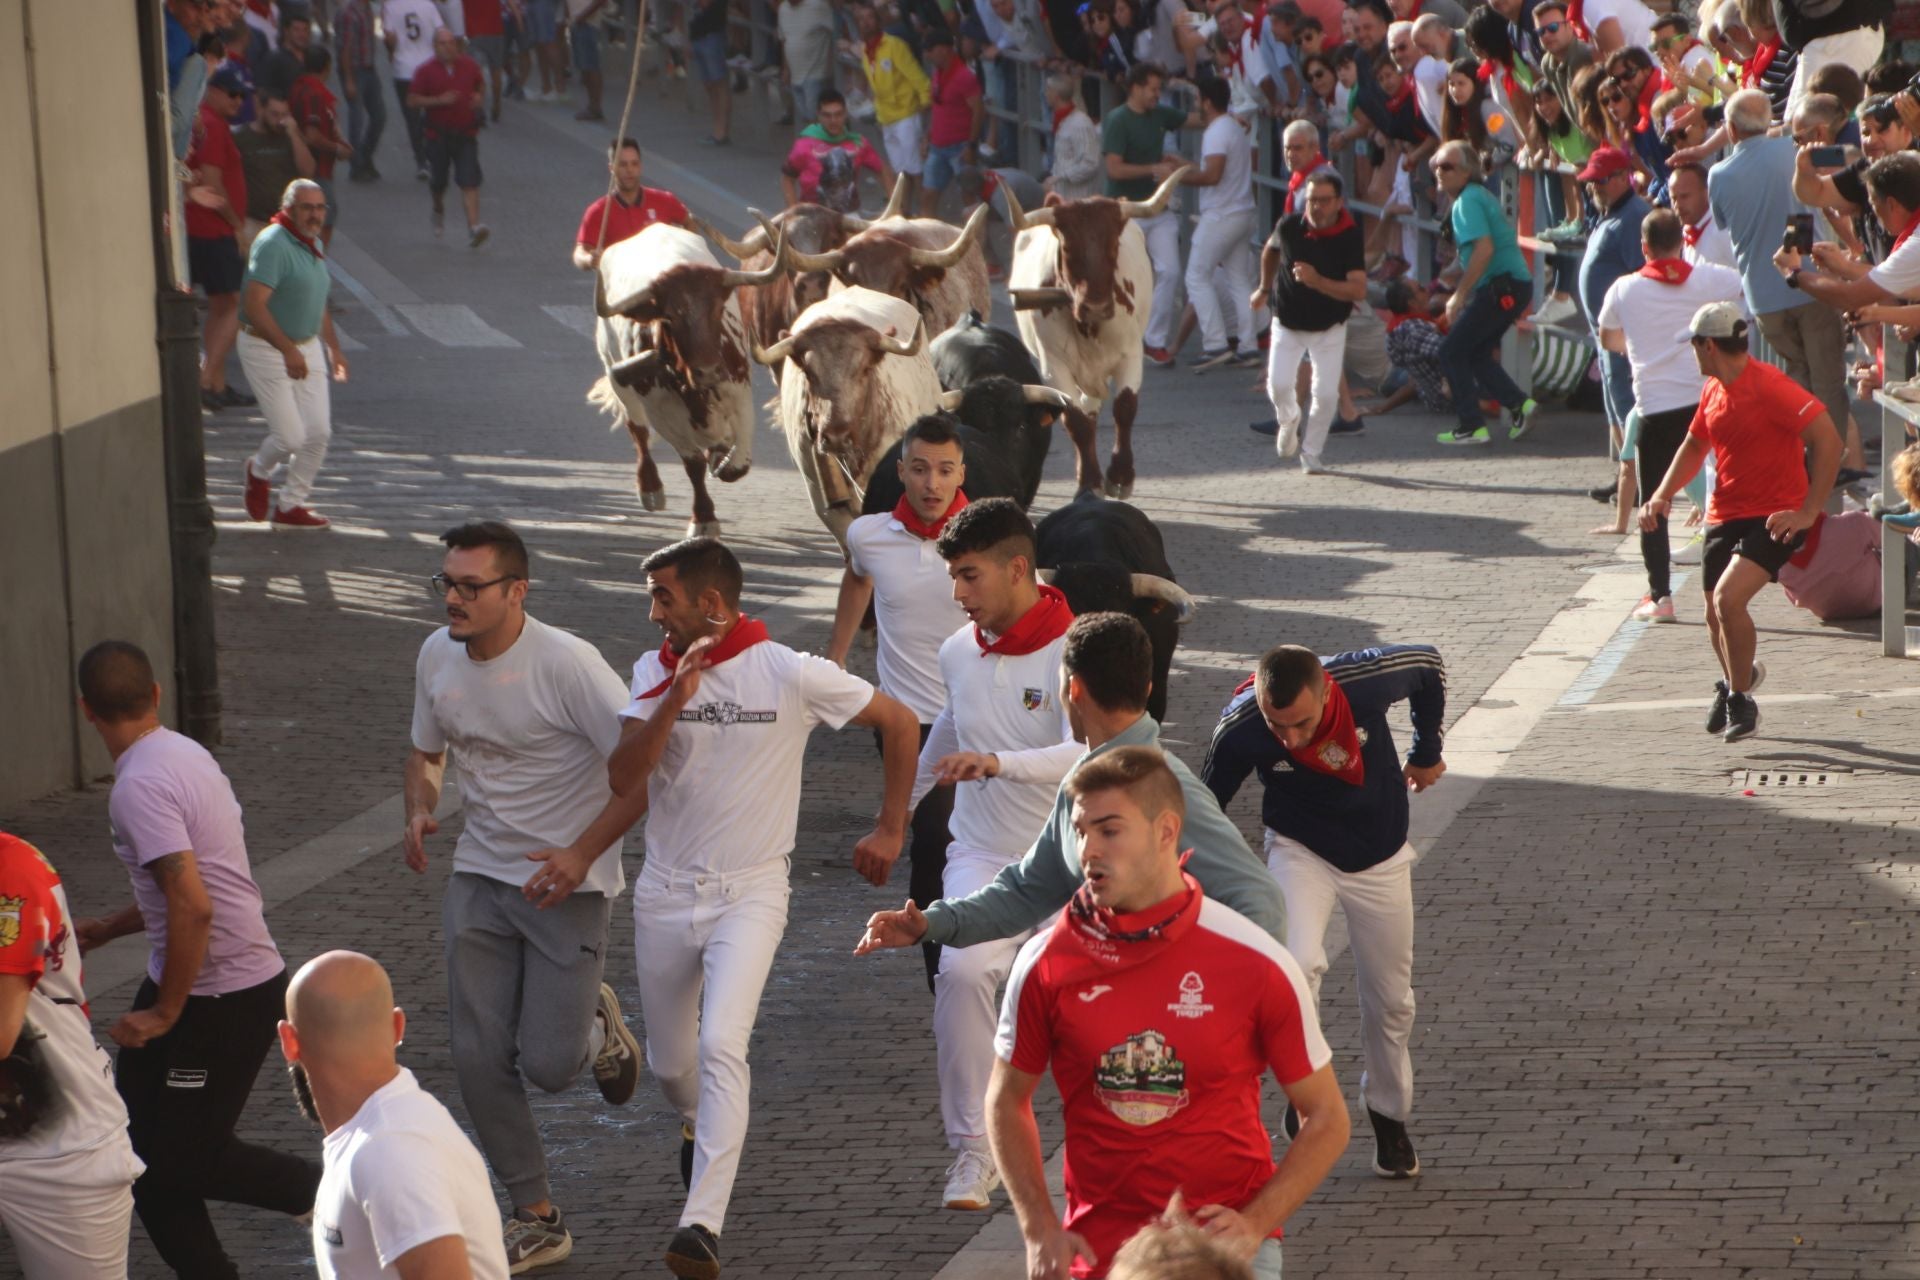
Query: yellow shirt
point(899, 86)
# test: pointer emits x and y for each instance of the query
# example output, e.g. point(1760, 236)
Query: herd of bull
point(868, 325)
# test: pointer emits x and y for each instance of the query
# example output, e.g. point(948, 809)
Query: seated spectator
point(1077, 164)
point(1414, 334)
point(824, 165)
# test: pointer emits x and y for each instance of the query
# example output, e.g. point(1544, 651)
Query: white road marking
point(574, 316)
point(452, 324)
point(347, 341)
point(351, 283)
point(1771, 699)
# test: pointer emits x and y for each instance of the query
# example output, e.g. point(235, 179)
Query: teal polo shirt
point(297, 277)
point(1476, 213)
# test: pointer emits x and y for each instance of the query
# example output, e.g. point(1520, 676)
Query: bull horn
point(1035, 299)
point(948, 258)
point(895, 347)
point(741, 249)
point(895, 202)
point(633, 365)
point(606, 310)
point(733, 279)
point(1019, 218)
point(951, 400)
point(1033, 394)
point(829, 261)
point(775, 353)
point(1154, 587)
point(1156, 204)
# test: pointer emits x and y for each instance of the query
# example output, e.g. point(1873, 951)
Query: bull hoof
point(730, 473)
point(1117, 489)
point(703, 528)
point(653, 499)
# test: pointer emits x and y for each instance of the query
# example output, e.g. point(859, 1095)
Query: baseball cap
point(1715, 320)
point(1604, 163)
point(231, 79)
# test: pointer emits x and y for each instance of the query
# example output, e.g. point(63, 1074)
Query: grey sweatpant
point(522, 986)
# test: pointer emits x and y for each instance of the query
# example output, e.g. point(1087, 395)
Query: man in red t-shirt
point(955, 120)
point(1768, 434)
point(485, 21)
point(452, 92)
point(315, 111)
point(1159, 1010)
point(216, 211)
point(634, 207)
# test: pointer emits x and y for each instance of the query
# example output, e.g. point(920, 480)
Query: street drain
point(1778, 779)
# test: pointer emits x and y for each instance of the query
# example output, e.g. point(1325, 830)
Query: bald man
point(404, 1193)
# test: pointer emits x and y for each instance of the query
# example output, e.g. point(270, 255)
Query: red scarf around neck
point(281, 219)
point(1037, 628)
point(1335, 748)
point(1099, 941)
point(1061, 113)
point(1667, 270)
point(1401, 98)
point(1902, 237)
point(1693, 234)
point(1397, 318)
point(746, 633)
point(904, 513)
point(1485, 75)
point(1757, 65)
point(1298, 178)
point(1317, 233)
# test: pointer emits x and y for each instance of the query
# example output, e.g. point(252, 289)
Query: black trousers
point(1661, 435)
point(184, 1093)
point(927, 841)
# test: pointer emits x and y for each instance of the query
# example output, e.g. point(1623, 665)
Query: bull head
point(1031, 393)
point(730, 279)
point(1156, 204)
point(1150, 586)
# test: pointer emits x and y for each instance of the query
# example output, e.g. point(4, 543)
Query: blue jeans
point(1616, 386)
point(366, 118)
point(943, 165)
point(806, 99)
point(1470, 353)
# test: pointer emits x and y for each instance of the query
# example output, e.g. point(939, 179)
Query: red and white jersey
point(913, 608)
point(1158, 1045)
point(726, 795)
point(1007, 705)
point(37, 943)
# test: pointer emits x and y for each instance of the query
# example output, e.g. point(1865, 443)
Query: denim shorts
point(458, 152)
point(943, 165)
point(710, 57)
point(586, 48)
point(543, 21)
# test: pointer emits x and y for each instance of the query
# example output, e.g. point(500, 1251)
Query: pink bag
point(1836, 573)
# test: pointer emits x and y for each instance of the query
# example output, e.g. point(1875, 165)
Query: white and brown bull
point(1081, 287)
point(924, 261)
point(675, 348)
point(856, 376)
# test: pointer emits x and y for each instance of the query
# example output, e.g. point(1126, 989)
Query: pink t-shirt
point(169, 795)
point(814, 154)
point(952, 113)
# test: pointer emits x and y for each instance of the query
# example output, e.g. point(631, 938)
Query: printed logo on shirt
point(1192, 1002)
point(186, 1078)
point(1141, 1080)
point(10, 920)
point(1282, 765)
point(332, 1235)
point(1334, 756)
point(724, 714)
point(1032, 699)
point(1094, 992)
point(56, 953)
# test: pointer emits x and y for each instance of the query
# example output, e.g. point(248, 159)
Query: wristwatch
point(1793, 277)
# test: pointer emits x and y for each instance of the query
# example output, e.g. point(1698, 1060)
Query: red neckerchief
point(1397, 318)
point(1577, 19)
point(1757, 65)
point(904, 513)
point(1061, 113)
point(1655, 86)
point(1667, 270)
point(1902, 237)
point(1693, 234)
point(746, 633)
point(1315, 233)
point(280, 219)
point(1098, 942)
point(1037, 628)
point(1507, 82)
point(1299, 177)
point(873, 45)
point(1399, 99)
point(1418, 5)
point(1335, 748)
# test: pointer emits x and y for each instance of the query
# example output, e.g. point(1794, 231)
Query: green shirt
point(1476, 214)
point(298, 279)
point(1137, 137)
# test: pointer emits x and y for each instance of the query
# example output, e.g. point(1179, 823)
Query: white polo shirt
point(1635, 19)
point(725, 797)
point(1899, 275)
point(1008, 705)
point(913, 609)
point(1714, 246)
point(398, 1175)
point(1650, 312)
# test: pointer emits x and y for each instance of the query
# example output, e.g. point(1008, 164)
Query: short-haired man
point(1159, 1011)
point(631, 209)
point(721, 701)
point(1562, 51)
point(483, 24)
point(1882, 133)
point(1494, 285)
point(202, 1021)
point(1637, 319)
point(1219, 265)
point(1429, 74)
point(402, 1191)
point(1133, 139)
point(823, 166)
point(360, 86)
point(900, 92)
point(894, 565)
point(1612, 252)
point(530, 714)
point(273, 151)
point(956, 117)
point(1844, 283)
point(216, 216)
point(1705, 240)
point(1336, 816)
point(315, 112)
point(449, 91)
point(287, 63)
point(1768, 436)
point(66, 1165)
point(412, 28)
point(1312, 270)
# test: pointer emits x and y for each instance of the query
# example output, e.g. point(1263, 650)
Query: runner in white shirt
point(716, 732)
point(409, 27)
point(1639, 318)
point(66, 1166)
point(1705, 240)
point(530, 714)
point(404, 1194)
point(891, 562)
point(1220, 260)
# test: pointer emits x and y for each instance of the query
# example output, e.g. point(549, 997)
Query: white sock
point(596, 1036)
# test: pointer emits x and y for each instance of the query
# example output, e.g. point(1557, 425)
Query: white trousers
point(1859, 48)
point(1378, 904)
point(1327, 350)
point(299, 415)
point(1163, 251)
point(1402, 193)
point(704, 945)
point(1220, 278)
point(69, 1215)
point(966, 1005)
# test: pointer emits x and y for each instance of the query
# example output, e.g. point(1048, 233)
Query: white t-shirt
point(1899, 275)
point(806, 33)
point(1635, 19)
point(399, 1175)
point(530, 732)
point(726, 795)
point(913, 609)
point(1234, 192)
point(1430, 90)
point(1008, 705)
point(1714, 246)
point(413, 23)
point(1650, 312)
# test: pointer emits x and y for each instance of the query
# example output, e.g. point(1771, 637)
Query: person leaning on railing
point(1077, 167)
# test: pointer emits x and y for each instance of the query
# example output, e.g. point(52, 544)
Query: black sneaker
point(234, 398)
point(1290, 1123)
point(1393, 1155)
point(1717, 718)
point(1347, 426)
point(686, 1157)
point(1743, 716)
point(1605, 494)
point(1266, 427)
point(694, 1254)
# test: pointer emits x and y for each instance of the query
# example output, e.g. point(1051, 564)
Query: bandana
point(1757, 65)
point(904, 513)
point(1403, 97)
point(1667, 270)
point(1693, 234)
point(281, 219)
point(1335, 748)
point(1315, 233)
point(1902, 237)
point(746, 633)
point(1298, 178)
point(1098, 942)
point(1656, 85)
point(1577, 19)
point(1507, 82)
point(1060, 114)
point(1038, 627)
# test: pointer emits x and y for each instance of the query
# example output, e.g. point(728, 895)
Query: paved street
point(1667, 1027)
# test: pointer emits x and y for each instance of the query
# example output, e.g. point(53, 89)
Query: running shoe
point(1520, 421)
point(536, 1242)
point(1160, 356)
point(298, 518)
point(1743, 716)
point(970, 1182)
point(1477, 436)
point(1651, 610)
point(478, 236)
point(616, 1068)
point(258, 492)
point(1348, 427)
point(1393, 1155)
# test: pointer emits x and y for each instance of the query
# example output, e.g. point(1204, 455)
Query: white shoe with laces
point(971, 1180)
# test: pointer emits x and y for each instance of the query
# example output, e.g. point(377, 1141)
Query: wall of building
point(83, 515)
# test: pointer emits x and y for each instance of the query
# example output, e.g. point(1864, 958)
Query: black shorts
point(1749, 540)
point(459, 152)
point(215, 264)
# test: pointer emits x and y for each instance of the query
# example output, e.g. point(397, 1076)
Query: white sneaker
point(1651, 610)
point(1286, 441)
point(970, 1182)
point(1310, 464)
point(1557, 311)
point(1691, 553)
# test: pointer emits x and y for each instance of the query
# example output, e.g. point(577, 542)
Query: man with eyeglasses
point(1882, 133)
point(1490, 295)
point(530, 714)
point(1613, 251)
point(1428, 73)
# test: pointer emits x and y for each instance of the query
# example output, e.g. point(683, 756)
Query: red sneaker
point(299, 518)
point(1160, 356)
point(258, 491)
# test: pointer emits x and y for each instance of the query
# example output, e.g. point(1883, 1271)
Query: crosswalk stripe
point(574, 316)
point(378, 309)
point(346, 340)
point(452, 324)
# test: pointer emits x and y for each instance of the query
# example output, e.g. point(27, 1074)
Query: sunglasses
point(1319, 75)
point(1552, 28)
point(1609, 99)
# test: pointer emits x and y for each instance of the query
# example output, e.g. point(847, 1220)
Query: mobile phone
point(1834, 157)
point(1799, 233)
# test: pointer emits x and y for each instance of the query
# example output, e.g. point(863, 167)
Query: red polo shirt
point(483, 17)
point(436, 78)
point(213, 145)
point(952, 115)
point(654, 205)
point(1753, 425)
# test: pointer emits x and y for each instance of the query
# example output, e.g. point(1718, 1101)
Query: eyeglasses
point(1608, 99)
point(469, 591)
point(1444, 166)
point(1552, 28)
point(1319, 75)
point(311, 206)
